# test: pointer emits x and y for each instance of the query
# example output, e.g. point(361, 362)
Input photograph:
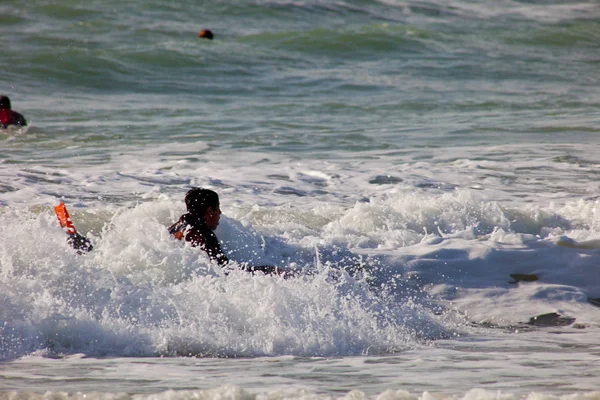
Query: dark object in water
point(550, 319)
point(523, 278)
point(385, 180)
point(80, 243)
point(205, 34)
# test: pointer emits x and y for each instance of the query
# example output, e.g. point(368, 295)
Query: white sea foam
point(427, 249)
point(231, 392)
point(140, 292)
point(428, 169)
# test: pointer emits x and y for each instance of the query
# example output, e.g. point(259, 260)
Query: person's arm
point(207, 241)
point(213, 249)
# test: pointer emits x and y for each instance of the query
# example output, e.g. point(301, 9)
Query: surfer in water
point(198, 224)
point(196, 227)
point(8, 116)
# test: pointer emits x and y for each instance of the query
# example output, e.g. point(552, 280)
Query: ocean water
point(429, 170)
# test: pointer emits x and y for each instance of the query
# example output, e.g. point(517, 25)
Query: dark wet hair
point(197, 200)
point(4, 102)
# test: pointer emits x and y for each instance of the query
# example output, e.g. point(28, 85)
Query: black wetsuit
point(193, 230)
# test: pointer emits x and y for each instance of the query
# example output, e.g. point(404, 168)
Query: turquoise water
point(306, 76)
point(442, 146)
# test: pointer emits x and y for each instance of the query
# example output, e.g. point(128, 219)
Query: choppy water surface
point(429, 170)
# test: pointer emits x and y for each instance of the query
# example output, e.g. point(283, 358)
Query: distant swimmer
point(198, 224)
point(205, 34)
point(8, 116)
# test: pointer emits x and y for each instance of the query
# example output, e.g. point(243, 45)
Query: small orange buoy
point(205, 34)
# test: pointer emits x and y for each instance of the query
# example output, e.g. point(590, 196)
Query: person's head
point(205, 34)
point(204, 203)
point(4, 102)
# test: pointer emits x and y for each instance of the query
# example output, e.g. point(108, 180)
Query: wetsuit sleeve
point(203, 238)
point(213, 249)
point(207, 241)
point(183, 230)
